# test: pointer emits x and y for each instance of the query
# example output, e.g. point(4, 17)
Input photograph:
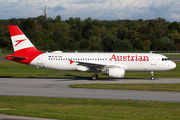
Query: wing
point(97, 66)
point(93, 66)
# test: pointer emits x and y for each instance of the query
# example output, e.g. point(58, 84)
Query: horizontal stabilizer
point(16, 57)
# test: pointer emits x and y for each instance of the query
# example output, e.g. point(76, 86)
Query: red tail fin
point(21, 43)
point(24, 50)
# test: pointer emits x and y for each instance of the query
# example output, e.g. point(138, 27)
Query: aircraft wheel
point(152, 78)
point(95, 77)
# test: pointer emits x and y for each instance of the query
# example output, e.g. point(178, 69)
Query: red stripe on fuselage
point(14, 30)
point(29, 53)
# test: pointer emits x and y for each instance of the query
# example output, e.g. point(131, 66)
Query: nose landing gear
point(152, 75)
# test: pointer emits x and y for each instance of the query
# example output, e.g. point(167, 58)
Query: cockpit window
point(165, 59)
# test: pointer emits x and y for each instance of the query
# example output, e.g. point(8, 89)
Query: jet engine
point(114, 72)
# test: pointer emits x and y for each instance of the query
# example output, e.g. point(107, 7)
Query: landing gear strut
point(152, 75)
point(95, 76)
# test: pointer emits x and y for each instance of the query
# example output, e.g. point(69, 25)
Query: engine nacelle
point(115, 72)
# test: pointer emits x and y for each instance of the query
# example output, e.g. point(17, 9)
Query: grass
point(144, 87)
point(2, 55)
point(88, 109)
point(172, 55)
point(13, 69)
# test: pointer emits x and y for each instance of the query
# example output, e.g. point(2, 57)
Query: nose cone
point(173, 65)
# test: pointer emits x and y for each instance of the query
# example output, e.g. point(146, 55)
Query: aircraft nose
point(173, 65)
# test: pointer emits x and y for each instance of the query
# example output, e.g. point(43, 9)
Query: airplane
point(113, 64)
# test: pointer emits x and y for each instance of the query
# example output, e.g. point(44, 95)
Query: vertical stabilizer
point(21, 43)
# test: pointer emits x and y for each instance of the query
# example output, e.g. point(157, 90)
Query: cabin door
point(153, 60)
point(40, 61)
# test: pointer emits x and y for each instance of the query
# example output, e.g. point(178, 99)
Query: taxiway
point(58, 87)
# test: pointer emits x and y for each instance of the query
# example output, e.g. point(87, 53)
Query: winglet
point(71, 62)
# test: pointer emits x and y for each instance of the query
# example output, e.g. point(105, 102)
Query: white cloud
point(96, 9)
point(12, 0)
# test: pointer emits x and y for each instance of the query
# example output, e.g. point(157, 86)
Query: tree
point(95, 43)
point(126, 45)
point(160, 44)
point(169, 44)
point(85, 45)
point(175, 35)
point(122, 32)
point(50, 20)
point(13, 21)
point(173, 26)
point(5, 43)
point(146, 45)
point(72, 46)
point(39, 42)
point(107, 43)
point(122, 45)
point(58, 18)
point(77, 19)
point(138, 44)
point(88, 20)
point(28, 24)
point(41, 18)
point(71, 21)
point(161, 23)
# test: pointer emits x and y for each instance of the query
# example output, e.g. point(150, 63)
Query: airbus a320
point(113, 64)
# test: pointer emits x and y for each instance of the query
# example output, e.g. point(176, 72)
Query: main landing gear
point(152, 75)
point(95, 76)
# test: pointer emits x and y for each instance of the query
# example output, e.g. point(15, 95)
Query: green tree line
point(95, 35)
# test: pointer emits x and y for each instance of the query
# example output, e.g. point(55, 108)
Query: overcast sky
point(96, 9)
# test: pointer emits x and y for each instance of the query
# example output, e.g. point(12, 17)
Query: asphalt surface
point(59, 88)
point(3, 59)
point(12, 117)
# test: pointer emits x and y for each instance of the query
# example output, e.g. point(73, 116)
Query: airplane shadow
point(77, 78)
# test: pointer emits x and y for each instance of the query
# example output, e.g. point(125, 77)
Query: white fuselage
point(129, 61)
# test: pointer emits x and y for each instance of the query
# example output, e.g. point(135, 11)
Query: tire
point(94, 77)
